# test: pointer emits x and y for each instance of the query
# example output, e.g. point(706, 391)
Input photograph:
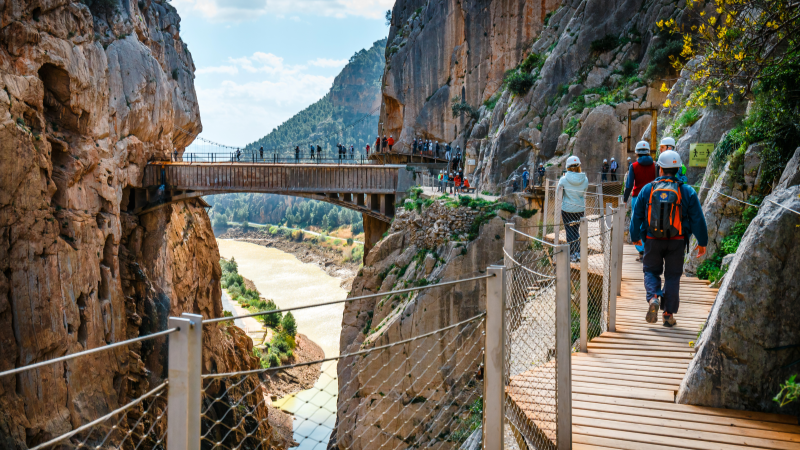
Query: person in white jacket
point(573, 204)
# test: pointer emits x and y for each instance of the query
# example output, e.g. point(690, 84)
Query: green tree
point(219, 221)
point(289, 325)
point(271, 320)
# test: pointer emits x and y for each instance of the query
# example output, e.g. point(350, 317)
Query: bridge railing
point(271, 158)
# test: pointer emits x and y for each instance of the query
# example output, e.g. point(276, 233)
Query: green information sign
point(699, 154)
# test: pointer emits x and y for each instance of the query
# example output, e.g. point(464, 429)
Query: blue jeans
point(664, 256)
point(639, 248)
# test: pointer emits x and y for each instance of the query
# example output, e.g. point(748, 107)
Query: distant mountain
point(348, 113)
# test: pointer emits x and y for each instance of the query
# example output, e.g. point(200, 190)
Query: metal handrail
point(87, 352)
point(382, 294)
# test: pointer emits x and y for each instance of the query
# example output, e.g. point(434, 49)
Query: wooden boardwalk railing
point(624, 387)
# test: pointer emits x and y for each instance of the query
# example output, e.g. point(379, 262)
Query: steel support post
point(563, 350)
point(621, 242)
point(184, 394)
point(546, 207)
point(584, 284)
point(557, 216)
point(508, 245)
point(613, 271)
point(494, 360)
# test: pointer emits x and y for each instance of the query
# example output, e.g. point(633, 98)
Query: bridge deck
point(623, 389)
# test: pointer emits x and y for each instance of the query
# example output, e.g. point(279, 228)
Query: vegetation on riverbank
point(280, 349)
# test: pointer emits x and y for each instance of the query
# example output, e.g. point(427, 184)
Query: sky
point(259, 62)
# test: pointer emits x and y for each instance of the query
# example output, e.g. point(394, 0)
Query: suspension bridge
point(559, 358)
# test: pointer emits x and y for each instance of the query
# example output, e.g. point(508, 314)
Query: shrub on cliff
point(457, 107)
point(519, 83)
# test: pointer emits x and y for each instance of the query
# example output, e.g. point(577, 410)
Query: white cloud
point(237, 112)
point(325, 62)
point(242, 10)
point(230, 70)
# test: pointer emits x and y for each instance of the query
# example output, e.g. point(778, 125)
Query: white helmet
point(541, 164)
point(612, 159)
point(642, 148)
point(668, 141)
point(669, 159)
point(605, 160)
point(629, 158)
point(573, 161)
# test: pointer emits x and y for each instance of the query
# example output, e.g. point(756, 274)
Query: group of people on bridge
point(666, 213)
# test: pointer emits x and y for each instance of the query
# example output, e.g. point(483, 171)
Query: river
point(289, 282)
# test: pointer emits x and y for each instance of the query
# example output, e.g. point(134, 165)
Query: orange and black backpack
point(665, 211)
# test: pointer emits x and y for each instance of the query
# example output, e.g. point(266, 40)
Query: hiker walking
point(297, 153)
point(261, 153)
point(414, 147)
point(613, 168)
point(541, 171)
point(525, 176)
point(640, 172)
point(667, 214)
point(238, 154)
point(604, 171)
point(384, 144)
point(367, 150)
point(377, 144)
point(390, 142)
point(573, 204)
point(311, 148)
point(352, 152)
point(319, 153)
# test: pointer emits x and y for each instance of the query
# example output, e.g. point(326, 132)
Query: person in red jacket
point(390, 141)
point(640, 173)
point(378, 144)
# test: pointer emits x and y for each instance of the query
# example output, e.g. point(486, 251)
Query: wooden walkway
point(623, 389)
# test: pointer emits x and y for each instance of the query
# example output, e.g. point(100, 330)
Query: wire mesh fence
point(140, 424)
point(530, 347)
point(424, 391)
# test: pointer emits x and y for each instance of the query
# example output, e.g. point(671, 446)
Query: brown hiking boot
point(669, 320)
point(652, 311)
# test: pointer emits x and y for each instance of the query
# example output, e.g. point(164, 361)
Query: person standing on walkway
point(297, 153)
point(311, 150)
point(525, 176)
point(261, 153)
point(367, 150)
point(238, 154)
point(414, 147)
point(541, 170)
point(377, 147)
point(319, 152)
point(667, 214)
point(384, 144)
point(573, 204)
point(613, 169)
point(352, 152)
point(641, 172)
point(604, 171)
point(390, 141)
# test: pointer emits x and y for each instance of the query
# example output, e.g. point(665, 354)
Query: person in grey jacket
point(573, 204)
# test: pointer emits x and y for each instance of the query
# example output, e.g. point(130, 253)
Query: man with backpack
point(641, 172)
point(666, 215)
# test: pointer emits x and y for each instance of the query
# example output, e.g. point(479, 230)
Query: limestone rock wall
point(438, 53)
point(87, 97)
point(749, 344)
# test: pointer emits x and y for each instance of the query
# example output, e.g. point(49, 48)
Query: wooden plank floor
point(623, 389)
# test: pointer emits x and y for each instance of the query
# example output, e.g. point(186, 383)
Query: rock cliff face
point(586, 61)
point(749, 345)
point(427, 381)
point(87, 97)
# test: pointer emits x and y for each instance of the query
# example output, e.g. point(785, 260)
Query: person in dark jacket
point(641, 172)
point(665, 255)
point(604, 171)
point(261, 152)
